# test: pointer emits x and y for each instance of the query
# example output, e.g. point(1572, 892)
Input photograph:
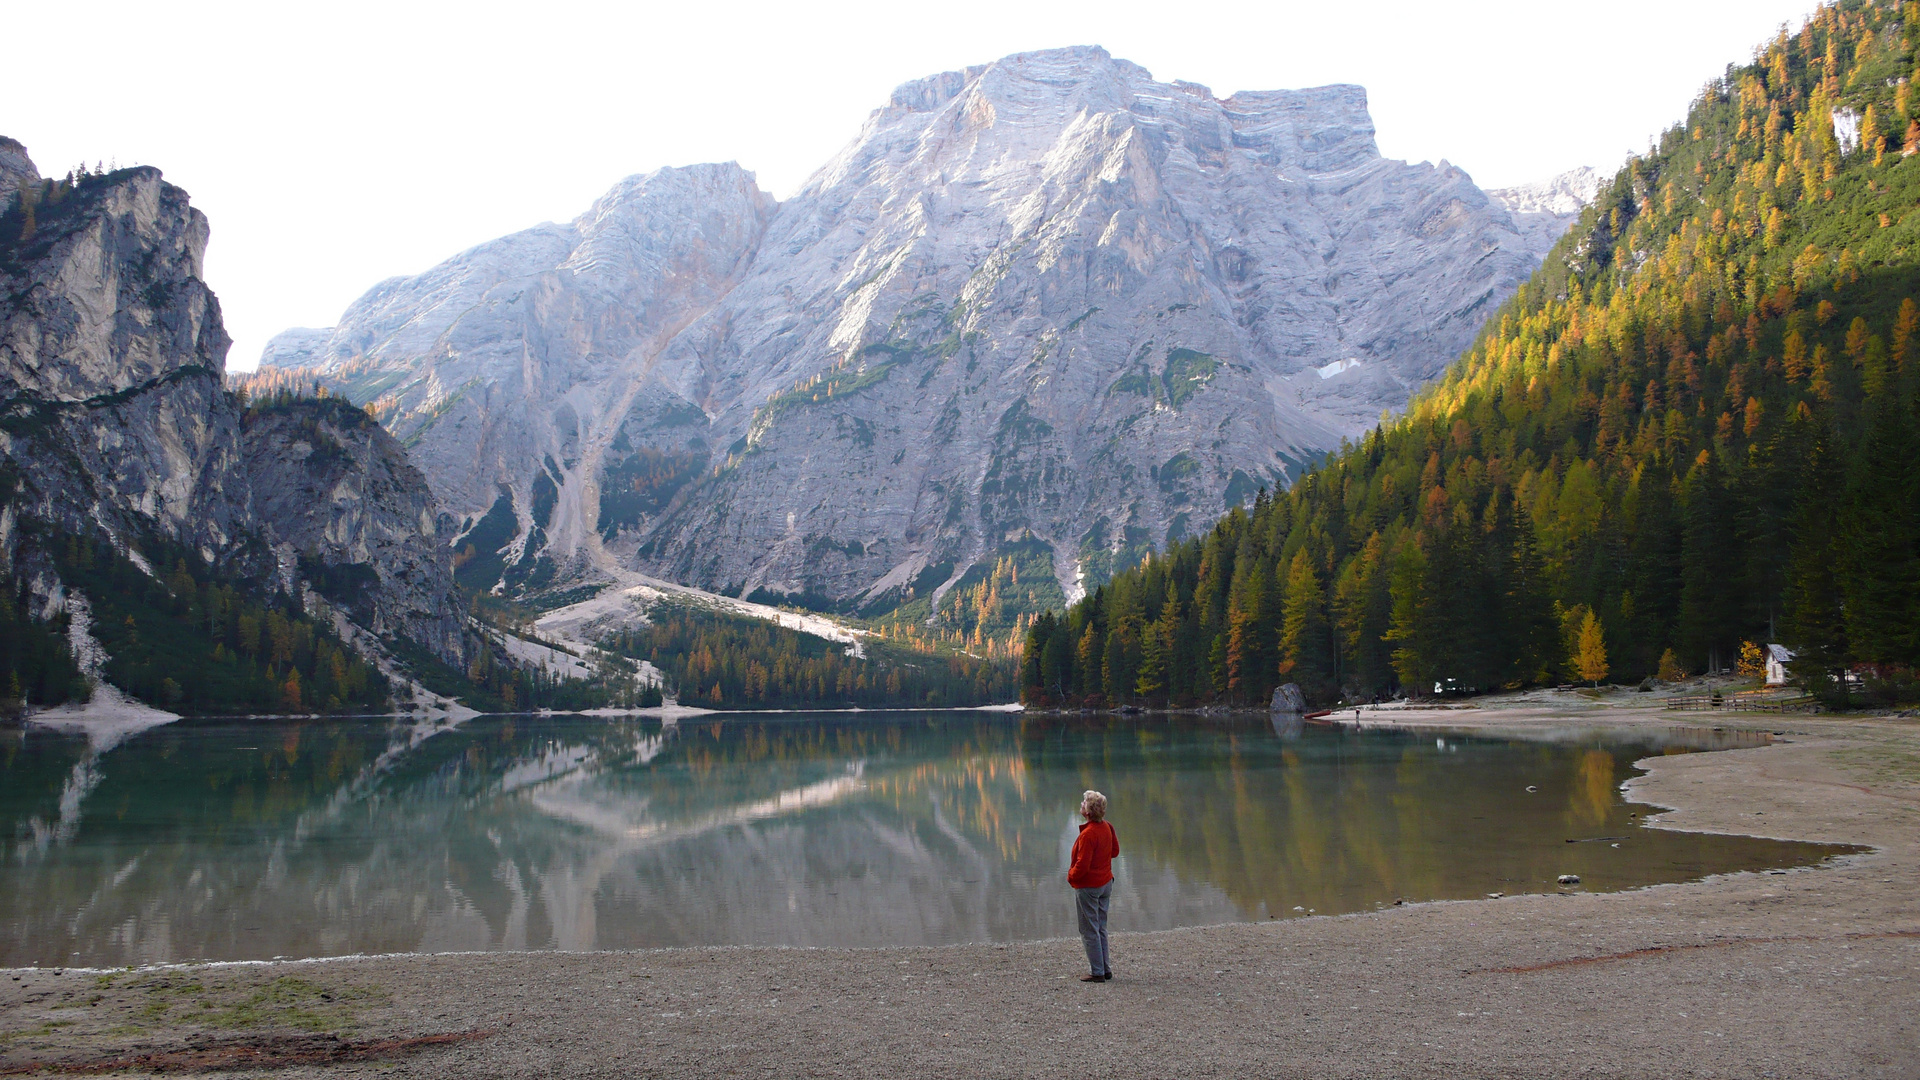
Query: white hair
point(1094, 805)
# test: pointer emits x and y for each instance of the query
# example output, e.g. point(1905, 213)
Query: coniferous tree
point(1531, 638)
point(1881, 542)
point(1365, 607)
point(1411, 628)
point(1815, 607)
point(1708, 616)
point(1306, 642)
point(1590, 660)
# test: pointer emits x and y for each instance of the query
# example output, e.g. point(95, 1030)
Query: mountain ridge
point(1044, 298)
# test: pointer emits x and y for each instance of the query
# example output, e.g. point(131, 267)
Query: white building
point(1777, 658)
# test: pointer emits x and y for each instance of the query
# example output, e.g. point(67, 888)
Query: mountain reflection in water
point(220, 840)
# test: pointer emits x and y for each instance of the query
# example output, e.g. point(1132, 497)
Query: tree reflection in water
point(231, 840)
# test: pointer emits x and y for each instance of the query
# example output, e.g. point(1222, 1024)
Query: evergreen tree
point(1816, 609)
point(1709, 626)
point(1364, 606)
point(1881, 542)
point(1410, 629)
point(1526, 613)
point(1306, 643)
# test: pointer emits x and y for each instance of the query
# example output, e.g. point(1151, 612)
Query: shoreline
point(1810, 972)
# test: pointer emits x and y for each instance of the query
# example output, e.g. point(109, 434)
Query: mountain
point(1546, 210)
point(139, 497)
point(112, 352)
point(331, 488)
point(1044, 313)
point(1692, 432)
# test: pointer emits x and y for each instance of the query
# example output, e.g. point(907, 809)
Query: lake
point(222, 840)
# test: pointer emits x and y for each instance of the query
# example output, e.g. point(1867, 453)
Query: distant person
point(1091, 876)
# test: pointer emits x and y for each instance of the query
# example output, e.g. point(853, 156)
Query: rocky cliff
point(112, 356)
point(116, 426)
point(336, 497)
point(1046, 304)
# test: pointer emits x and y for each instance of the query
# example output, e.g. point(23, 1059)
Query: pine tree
point(1364, 606)
point(1670, 669)
point(1306, 644)
point(1880, 538)
point(1249, 629)
point(1088, 662)
point(1590, 661)
point(1529, 638)
point(1815, 626)
point(1151, 682)
point(1708, 615)
point(1408, 621)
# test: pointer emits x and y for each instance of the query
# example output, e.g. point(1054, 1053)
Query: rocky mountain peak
point(1047, 304)
point(106, 291)
point(1318, 129)
point(1565, 195)
point(1546, 209)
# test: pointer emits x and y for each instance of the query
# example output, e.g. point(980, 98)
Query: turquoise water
point(224, 840)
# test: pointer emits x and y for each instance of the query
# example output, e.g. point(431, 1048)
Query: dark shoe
point(1093, 978)
point(1108, 977)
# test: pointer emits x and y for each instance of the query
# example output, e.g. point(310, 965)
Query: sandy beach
point(1804, 973)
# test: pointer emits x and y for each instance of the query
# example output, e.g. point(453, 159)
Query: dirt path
point(1808, 973)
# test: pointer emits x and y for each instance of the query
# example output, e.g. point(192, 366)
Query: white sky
point(337, 144)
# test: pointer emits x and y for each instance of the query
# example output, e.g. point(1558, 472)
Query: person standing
point(1091, 875)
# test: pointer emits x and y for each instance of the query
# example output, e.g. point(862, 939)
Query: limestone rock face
point(336, 495)
point(115, 420)
point(112, 356)
point(1046, 300)
point(519, 365)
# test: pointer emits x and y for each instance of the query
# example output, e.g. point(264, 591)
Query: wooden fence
point(1745, 702)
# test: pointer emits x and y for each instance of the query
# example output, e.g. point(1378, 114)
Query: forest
point(244, 655)
point(36, 667)
point(1693, 429)
point(721, 661)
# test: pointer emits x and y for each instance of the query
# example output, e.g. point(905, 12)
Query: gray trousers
point(1091, 905)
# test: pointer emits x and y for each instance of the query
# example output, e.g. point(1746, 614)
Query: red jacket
point(1093, 853)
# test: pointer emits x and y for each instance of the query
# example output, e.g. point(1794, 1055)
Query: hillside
point(1694, 426)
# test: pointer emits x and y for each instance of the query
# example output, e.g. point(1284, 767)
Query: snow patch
point(1328, 371)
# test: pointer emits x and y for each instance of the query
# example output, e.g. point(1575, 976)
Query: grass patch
point(286, 1002)
point(47, 1028)
point(295, 1003)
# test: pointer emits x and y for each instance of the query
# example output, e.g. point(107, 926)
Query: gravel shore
point(1804, 973)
